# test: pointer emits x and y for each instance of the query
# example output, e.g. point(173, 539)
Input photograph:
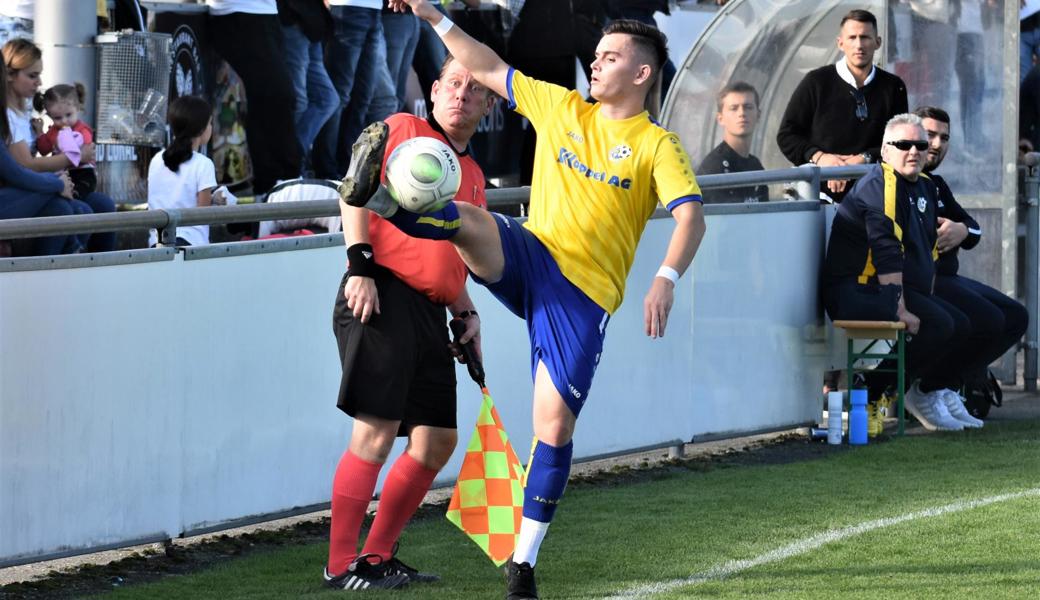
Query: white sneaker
point(955, 406)
point(930, 410)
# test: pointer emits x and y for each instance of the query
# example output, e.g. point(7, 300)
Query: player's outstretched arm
point(486, 66)
point(689, 231)
point(360, 292)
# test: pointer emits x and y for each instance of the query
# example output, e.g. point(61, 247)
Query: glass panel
point(771, 44)
point(949, 53)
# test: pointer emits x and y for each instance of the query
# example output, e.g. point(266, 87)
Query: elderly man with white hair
point(880, 266)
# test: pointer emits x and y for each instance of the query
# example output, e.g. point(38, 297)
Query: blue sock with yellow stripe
point(440, 224)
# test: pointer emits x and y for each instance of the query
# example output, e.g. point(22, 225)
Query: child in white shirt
point(179, 176)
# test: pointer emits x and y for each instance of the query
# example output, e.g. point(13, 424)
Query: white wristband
point(668, 273)
point(443, 26)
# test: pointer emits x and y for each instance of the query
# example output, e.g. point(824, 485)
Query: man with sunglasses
point(837, 114)
point(997, 321)
point(880, 267)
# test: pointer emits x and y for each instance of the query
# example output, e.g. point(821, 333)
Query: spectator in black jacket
point(738, 113)
point(880, 267)
point(997, 321)
point(837, 114)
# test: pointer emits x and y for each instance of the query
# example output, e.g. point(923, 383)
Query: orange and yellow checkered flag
point(488, 500)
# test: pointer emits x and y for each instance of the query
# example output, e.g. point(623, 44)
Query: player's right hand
point(362, 297)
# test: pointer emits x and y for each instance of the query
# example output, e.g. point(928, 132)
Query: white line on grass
point(811, 543)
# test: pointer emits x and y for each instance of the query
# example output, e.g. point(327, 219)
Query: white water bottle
point(834, 402)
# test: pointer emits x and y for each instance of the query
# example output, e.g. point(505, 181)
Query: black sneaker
point(363, 575)
point(520, 581)
point(394, 565)
point(366, 163)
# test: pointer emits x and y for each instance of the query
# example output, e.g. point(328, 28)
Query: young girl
point(68, 133)
point(180, 177)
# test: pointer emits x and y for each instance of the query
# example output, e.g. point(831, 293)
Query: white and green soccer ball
point(423, 174)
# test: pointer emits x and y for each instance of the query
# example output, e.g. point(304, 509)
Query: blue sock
point(546, 479)
point(441, 224)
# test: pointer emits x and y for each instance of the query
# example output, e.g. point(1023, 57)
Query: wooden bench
point(890, 332)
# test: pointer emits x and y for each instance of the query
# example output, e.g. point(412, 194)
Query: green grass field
point(651, 533)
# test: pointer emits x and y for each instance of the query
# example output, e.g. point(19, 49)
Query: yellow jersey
point(596, 183)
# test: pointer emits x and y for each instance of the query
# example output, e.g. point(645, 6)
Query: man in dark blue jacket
point(880, 266)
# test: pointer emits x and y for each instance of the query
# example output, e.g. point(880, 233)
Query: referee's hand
point(472, 334)
point(362, 297)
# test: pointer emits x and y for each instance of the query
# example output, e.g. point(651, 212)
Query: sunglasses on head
point(906, 145)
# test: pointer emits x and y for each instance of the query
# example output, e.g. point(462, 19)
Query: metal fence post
point(168, 234)
point(1032, 266)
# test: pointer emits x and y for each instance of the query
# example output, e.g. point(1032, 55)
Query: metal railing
point(807, 179)
point(1031, 205)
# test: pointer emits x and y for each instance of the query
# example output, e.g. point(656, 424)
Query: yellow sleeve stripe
point(890, 211)
point(868, 270)
point(890, 200)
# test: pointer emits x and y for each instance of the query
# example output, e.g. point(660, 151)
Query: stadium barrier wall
point(162, 393)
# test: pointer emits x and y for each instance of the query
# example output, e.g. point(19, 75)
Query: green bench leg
point(900, 376)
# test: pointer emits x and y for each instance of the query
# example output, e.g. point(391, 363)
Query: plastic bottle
point(874, 425)
point(834, 402)
point(858, 417)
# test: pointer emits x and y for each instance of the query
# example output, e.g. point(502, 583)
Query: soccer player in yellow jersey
point(600, 170)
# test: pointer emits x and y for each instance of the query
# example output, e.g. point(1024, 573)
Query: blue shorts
point(565, 326)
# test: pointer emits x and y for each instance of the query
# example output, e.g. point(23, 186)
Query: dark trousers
point(22, 204)
point(253, 46)
point(936, 350)
point(997, 322)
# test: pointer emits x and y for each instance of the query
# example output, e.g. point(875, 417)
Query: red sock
point(403, 491)
point(352, 489)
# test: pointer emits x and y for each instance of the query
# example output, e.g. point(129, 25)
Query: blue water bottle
point(858, 417)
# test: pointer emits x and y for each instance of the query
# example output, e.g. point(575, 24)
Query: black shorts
point(398, 365)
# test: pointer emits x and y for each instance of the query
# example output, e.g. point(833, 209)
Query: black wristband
point(466, 314)
point(361, 261)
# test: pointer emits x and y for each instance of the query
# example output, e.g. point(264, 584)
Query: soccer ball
point(423, 174)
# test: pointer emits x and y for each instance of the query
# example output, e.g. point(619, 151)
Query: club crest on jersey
point(620, 152)
point(922, 204)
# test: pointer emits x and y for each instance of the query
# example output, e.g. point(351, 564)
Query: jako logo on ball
point(423, 174)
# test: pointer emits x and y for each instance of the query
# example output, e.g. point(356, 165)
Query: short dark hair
point(860, 15)
point(737, 87)
point(646, 37)
point(933, 112)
